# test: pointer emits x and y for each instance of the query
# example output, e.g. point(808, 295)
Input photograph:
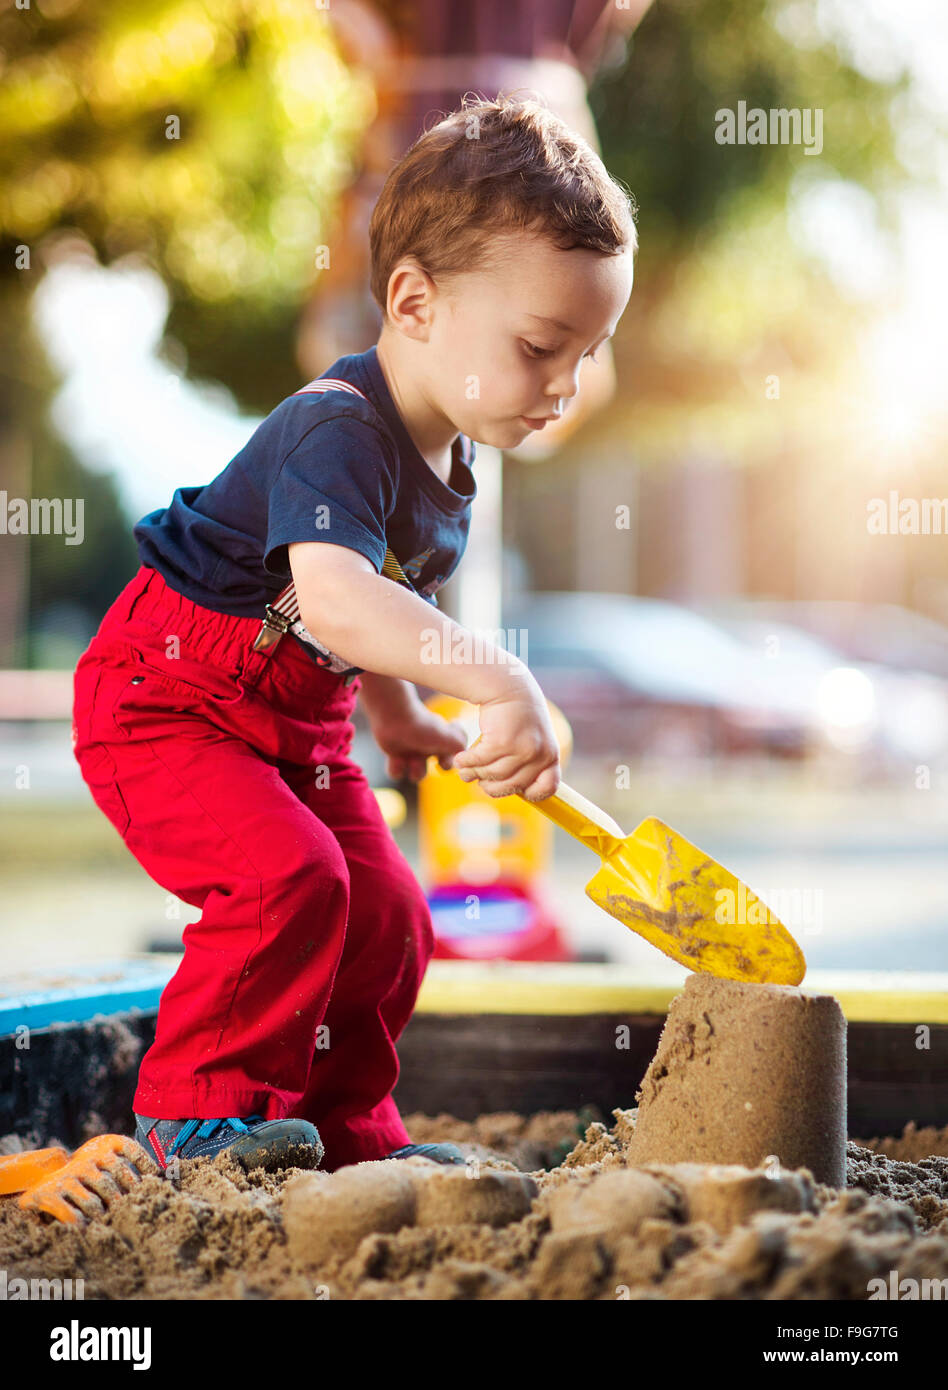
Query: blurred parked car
point(884, 709)
point(648, 676)
point(884, 634)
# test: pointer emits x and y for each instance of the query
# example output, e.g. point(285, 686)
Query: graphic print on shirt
point(413, 569)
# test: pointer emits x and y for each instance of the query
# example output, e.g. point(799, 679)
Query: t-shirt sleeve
point(338, 484)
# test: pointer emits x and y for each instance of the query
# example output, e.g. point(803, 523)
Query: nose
point(564, 386)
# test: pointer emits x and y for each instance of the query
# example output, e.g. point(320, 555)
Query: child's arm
point(406, 729)
point(372, 622)
point(386, 697)
point(376, 624)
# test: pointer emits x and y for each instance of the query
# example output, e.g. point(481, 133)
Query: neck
point(431, 431)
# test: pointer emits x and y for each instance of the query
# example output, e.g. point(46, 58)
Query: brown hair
point(490, 167)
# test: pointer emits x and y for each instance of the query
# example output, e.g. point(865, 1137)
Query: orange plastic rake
point(20, 1171)
point(74, 1189)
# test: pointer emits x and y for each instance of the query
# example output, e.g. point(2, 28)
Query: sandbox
point(733, 1179)
point(594, 1226)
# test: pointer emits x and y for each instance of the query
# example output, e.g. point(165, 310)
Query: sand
point(733, 1179)
point(744, 1073)
point(594, 1226)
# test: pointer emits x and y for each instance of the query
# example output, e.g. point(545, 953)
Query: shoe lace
point(203, 1129)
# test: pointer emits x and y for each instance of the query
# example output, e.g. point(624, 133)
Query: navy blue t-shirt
point(328, 466)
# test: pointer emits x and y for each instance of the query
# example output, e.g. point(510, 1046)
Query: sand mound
point(597, 1226)
point(326, 1216)
point(912, 1144)
point(743, 1073)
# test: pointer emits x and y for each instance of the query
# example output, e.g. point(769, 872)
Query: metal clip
point(272, 629)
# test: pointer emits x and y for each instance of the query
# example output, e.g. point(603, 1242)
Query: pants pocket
point(99, 774)
point(189, 678)
point(143, 700)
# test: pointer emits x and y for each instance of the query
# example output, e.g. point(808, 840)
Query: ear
point(411, 293)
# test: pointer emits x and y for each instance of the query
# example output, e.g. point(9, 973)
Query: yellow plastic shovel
point(680, 899)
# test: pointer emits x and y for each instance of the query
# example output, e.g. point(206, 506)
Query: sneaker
point(438, 1153)
point(255, 1142)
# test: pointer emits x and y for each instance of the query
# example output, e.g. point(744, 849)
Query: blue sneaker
point(438, 1153)
point(255, 1142)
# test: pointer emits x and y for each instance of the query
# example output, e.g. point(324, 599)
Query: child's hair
point(492, 167)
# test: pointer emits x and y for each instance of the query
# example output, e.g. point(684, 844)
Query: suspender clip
point(272, 628)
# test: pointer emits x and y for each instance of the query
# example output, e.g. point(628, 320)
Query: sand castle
point(743, 1074)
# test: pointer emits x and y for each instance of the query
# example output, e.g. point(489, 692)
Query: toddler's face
point(498, 361)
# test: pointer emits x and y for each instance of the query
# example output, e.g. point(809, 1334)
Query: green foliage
point(86, 574)
point(83, 578)
point(214, 136)
point(724, 294)
point(655, 113)
point(215, 139)
point(212, 139)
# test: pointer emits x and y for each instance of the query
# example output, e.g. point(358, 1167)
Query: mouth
point(537, 424)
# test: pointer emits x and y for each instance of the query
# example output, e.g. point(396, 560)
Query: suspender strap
point(284, 611)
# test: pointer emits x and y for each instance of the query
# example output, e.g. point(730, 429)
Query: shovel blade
point(693, 909)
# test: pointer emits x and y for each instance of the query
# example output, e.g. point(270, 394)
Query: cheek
point(508, 381)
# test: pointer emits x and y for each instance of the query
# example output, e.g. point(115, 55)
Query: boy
point(218, 745)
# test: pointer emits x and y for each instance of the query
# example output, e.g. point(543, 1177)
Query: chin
point(503, 436)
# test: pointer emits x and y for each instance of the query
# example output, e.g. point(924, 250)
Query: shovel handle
point(581, 819)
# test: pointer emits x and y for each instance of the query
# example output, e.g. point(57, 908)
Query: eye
point(537, 352)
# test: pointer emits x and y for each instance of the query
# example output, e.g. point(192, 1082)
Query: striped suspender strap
point(284, 611)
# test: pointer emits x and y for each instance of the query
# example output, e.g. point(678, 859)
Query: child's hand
point(410, 738)
point(517, 750)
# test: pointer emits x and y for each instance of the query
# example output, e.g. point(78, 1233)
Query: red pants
point(227, 774)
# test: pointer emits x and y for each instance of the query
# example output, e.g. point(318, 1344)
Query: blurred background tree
point(212, 141)
point(722, 285)
point(215, 142)
point(752, 423)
